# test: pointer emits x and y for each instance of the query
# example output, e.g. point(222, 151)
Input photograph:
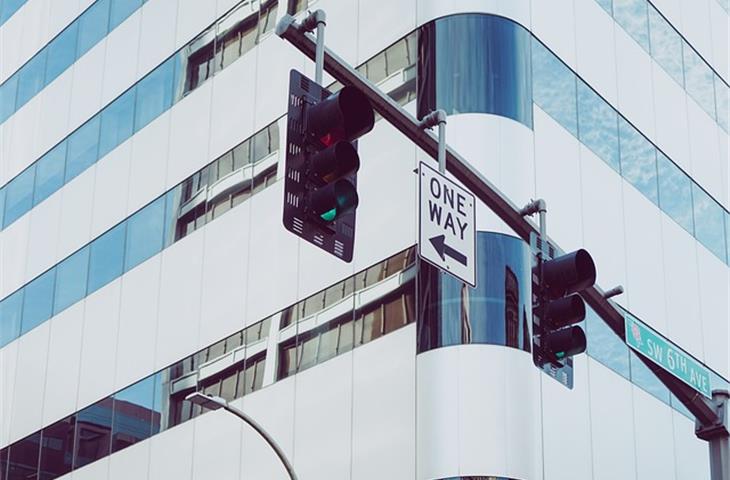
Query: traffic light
point(557, 308)
point(320, 184)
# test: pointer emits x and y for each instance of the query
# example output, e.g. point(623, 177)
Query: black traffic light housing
point(557, 308)
point(320, 185)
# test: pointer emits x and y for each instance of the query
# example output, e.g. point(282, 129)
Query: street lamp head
point(206, 401)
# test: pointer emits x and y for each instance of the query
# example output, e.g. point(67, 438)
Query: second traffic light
point(320, 185)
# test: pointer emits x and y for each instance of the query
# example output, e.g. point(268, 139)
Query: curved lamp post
point(215, 403)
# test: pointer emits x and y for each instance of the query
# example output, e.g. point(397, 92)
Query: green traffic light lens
point(329, 215)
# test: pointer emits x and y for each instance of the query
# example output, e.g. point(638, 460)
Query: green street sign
point(667, 355)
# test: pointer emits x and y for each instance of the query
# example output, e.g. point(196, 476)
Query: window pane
point(154, 94)
point(7, 97)
point(93, 26)
point(228, 386)
point(347, 337)
point(554, 87)
point(722, 94)
point(259, 380)
point(675, 192)
point(57, 448)
point(161, 402)
point(117, 122)
point(606, 5)
point(93, 433)
point(133, 413)
point(120, 10)
point(644, 378)
point(49, 173)
point(598, 125)
point(19, 196)
point(71, 280)
point(172, 205)
point(249, 377)
point(309, 353)
point(144, 233)
point(23, 458)
point(709, 222)
point(605, 346)
point(31, 78)
point(328, 345)
point(698, 80)
point(8, 8)
point(2, 204)
point(83, 147)
point(62, 52)
point(106, 258)
point(38, 301)
point(11, 311)
point(633, 16)
point(638, 161)
point(666, 46)
point(394, 316)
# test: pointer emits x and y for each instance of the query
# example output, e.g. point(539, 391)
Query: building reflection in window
point(498, 311)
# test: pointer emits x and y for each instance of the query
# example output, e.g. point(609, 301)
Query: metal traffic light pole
point(711, 416)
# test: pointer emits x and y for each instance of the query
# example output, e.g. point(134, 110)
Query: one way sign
point(446, 228)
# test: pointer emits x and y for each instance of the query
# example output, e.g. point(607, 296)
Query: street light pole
point(215, 403)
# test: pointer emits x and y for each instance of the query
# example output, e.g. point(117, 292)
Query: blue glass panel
point(178, 85)
point(722, 95)
point(644, 378)
point(698, 80)
point(727, 236)
point(71, 280)
point(554, 87)
point(8, 90)
point(2, 205)
point(62, 52)
point(709, 222)
point(93, 26)
point(93, 433)
point(605, 346)
point(120, 10)
point(19, 195)
point(675, 192)
point(9, 7)
point(31, 78)
point(154, 94)
point(633, 16)
point(107, 258)
point(679, 406)
point(598, 125)
point(638, 160)
point(11, 311)
point(161, 402)
point(49, 173)
point(133, 414)
point(83, 148)
point(38, 301)
point(117, 122)
point(606, 5)
point(144, 233)
point(666, 46)
point(172, 205)
point(494, 78)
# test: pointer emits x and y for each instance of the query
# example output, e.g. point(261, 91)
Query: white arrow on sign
point(447, 227)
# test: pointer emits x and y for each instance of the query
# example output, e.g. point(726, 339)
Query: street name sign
point(446, 227)
point(668, 356)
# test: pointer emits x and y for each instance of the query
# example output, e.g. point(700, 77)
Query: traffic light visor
point(345, 115)
point(569, 273)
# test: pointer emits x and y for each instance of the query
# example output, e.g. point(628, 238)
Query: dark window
point(134, 414)
point(93, 433)
point(57, 448)
point(23, 458)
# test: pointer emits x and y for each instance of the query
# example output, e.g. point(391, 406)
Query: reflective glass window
point(172, 206)
point(638, 160)
point(4, 451)
point(494, 78)
point(161, 404)
point(666, 46)
point(83, 148)
point(49, 173)
point(93, 433)
point(598, 125)
point(106, 258)
point(120, 10)
point(23, 458)
point(309, 352)
point(117, 122)
point(71, 277)
point(722, 95)
point(633, 16)
point(8, 8)
point(19, 195)
point(57, 448)
point(8, 90)
point(727, 235)
point(605, 346)
point(644, 378)
point(62, 52)
point(145, 233)
point(606, 5)
point(38, 301)
point(154, 94)
point(554, 87)
point(31, 78)
point(11, 311)
point(709, 222)
point(2, 204)
point(93, 26)
point(133, 414)
point(699, 80)
point(675, 192)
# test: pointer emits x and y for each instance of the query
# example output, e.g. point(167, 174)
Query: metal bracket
point(437, 118)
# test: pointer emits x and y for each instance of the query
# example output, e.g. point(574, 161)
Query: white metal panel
point(720, 29)
point(157, 34)
point(24, 33)
point(217, 446)
point(110, 189)
point(77, 203)
point(122, 51)
point(27, 406)
point(64, 360)
point(595, 48)
point(88, 80)
point(179, 301)
point(148, 165)
point(45, 222)
point(137, 335)
point(98, 347)
point(671, 10)
point(670, 104)
point(21, 138)
point(342, 31)
point(13, 254)
point(171, 453)
point(714, 279)
point(633, 67)
point(395, 18)
point(55, 104)
point(705, 151)
point(130, 463)
point(696, 26)
point(654, 442)
point(192, 17)
point(8, 363)
point(691, 455)
point(554, 24)
point(98, 470)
